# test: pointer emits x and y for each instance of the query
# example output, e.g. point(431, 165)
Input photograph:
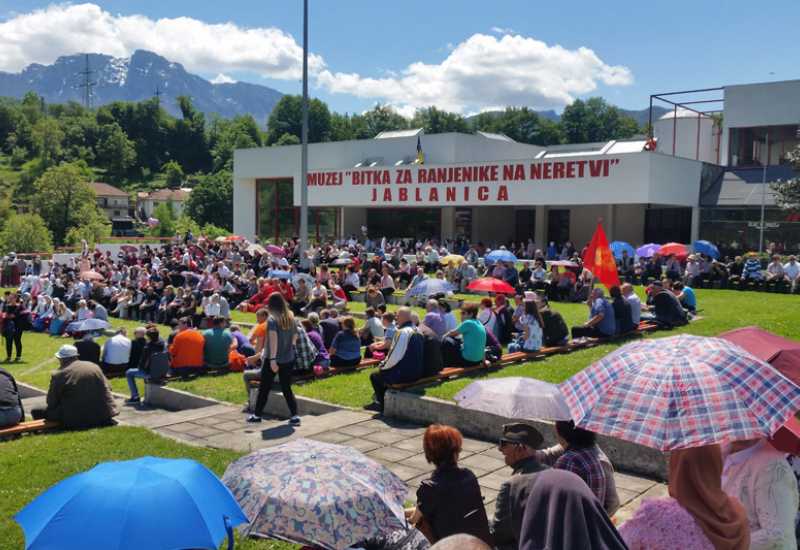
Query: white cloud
point(43, 35)
point(485, 70)
point(502, 30)
point(222, 78)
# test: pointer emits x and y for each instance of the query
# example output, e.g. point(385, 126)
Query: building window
point(404, 223)
point(277, 218)
point(665, 225)
point(525, 224)
point(116, 212)
point(748, 146)
point(558, 226)
point(737, 230)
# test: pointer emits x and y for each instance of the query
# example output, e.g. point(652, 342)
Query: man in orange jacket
point(186, 351)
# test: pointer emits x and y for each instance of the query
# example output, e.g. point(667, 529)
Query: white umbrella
point(515, 397)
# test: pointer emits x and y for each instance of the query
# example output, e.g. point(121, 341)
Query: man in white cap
point(79, 396)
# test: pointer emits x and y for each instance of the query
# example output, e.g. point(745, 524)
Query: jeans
point(267, 377)
point(132, 375)
point(10, 416)
point(13, 337)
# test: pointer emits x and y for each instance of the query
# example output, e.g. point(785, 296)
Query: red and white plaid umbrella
point(679, 392)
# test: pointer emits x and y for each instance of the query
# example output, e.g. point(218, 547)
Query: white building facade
point(488, 188)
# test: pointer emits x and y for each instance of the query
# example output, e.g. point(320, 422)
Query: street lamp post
point(304, 138)
point(763, 198)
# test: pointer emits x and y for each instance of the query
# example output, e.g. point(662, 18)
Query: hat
point(523, 434)
point(66, 351)
point(530, 296)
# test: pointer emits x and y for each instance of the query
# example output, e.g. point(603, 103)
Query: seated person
point(555, 332)
point(531, 320)
point(686, 296)
point(634, 301)
point(469, 349)
point(217, 344)
point(240, 341)
point(389, 329)
point(11, 410)
point(667, 309)
point(329, 325)
point(155, 346)
point(623, 316)
point(187, 348)
point(751, 272)
point(433, 321)
point(493, 351)
point(372, 329)
point(79, 396)
point(403, 363)
point(345, 350)
point(116, 353)
point(450, 501)
point(581, 456)
point(518, 445)
point(601, 323)
point(322, 358)
point(301, 297)
point(88, 349)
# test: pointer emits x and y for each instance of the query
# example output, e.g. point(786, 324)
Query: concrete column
point(448, 222)
point(609, 224)
point(695, 231)
point(540, 229)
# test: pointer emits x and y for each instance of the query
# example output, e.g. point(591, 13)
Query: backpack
point(158, 365)
point(304, 350)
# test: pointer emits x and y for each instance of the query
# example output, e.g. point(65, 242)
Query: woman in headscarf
point(561, 512)
point(697, 514)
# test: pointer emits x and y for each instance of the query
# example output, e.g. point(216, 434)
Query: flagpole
point(304, 138)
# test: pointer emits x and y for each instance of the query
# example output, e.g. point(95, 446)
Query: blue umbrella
point(280, 274)
point(429, 287)
point(123, 505)
point(706, 248)
point(499, 256)
point(648, 250)
point(617, 247)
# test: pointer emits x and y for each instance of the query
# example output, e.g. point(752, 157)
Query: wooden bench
point(28, 427)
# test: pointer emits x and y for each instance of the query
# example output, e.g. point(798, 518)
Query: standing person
point(697, 514)
point(278, 358)
point(13, 325)
point(450, 501)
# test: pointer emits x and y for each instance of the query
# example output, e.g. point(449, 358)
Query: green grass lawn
point(721, 310)
point(32, 464)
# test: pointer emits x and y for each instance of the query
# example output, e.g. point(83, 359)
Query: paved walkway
point(394, 444)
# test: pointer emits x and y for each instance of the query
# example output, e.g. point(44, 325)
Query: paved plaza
point(395, 444)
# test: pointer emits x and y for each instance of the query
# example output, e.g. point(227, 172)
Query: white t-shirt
point(792, 270)
point(117, 350)
point(636, 308)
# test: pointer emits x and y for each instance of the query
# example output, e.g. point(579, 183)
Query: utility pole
point(304, 137)
point(763, 197)
point(87, 84)
point(157, 94)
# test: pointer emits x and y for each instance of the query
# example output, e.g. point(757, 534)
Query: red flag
point(599, 260)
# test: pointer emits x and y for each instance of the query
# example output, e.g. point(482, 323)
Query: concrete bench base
point(625, 456)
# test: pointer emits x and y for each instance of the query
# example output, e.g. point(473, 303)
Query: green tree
point(165, 214)
point(25, 233)
point(381, 118)
point(211, 201)
point(288, 139)
point(32, 106)
point(47, 139)
point(65, 199)
point(93, 229)
point(286, 118)
point(174, 173)
point(188, 143)
point(435, 121)
point(226, 136)
point(115, 152)
point(520, 124)
point(787, 193)
point(595, 120)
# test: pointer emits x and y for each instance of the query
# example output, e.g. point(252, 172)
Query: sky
point(461, 55)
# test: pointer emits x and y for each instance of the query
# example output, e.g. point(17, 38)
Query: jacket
point(88, 350)
point(510, 503)
point(9, 393)
point(79, 397)
point(405, 361)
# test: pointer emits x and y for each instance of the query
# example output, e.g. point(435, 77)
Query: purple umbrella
point(275, 250)
point(648, 250)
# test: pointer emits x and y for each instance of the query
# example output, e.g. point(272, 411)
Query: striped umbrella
point(679, 392)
